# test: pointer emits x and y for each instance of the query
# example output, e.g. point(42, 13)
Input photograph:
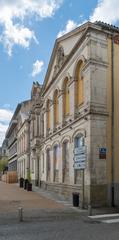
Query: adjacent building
point(70, 135)
point(12, 135)
point(4, 148)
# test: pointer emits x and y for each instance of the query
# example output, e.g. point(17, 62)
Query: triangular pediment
point(62, 49)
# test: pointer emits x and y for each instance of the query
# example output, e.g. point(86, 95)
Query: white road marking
point(111, 221)
point(104, 215)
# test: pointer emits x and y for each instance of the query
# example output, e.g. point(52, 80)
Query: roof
point(13, 121)
point(106, 26)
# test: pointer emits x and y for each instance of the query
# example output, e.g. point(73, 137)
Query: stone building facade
point(23, 139)
point(80, 95)
point(73, 119)
point(11, 137)
point(75, 115)
point(16, 147)
point(4, 151)
point(23, 157)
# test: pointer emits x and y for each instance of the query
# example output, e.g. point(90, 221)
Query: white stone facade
point(71, 111)
point(88, 120)
point(23, 140)
point(23, 150)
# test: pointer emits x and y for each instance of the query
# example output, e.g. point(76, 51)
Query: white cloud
point(5, 117)
point(3, 129)
point(16, 34)
point(106, 11)
point(12, 15)
point(37, 67)
point(70, 25)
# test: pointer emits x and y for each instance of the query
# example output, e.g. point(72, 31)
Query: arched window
point(79, 85)
point(79, 141)
point(48, 114)
point(48, 159)
point(66, 98)
point(56, 159)
point(56, 108)
point(48, 163)
point(65, 162)
point(65, 153)
point(43, 162)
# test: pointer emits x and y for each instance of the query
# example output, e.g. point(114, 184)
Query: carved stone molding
point(60, 58)
point(61, 92)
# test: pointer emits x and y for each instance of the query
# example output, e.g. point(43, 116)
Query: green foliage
point(29, 175)
point(3, 163)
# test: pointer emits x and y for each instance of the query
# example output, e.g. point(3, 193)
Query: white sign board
point(79, 165)
point(80, 150)
point(80, 157)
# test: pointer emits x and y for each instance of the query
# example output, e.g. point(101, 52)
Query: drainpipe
point(113, 120)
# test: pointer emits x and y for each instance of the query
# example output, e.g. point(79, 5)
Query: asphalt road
point(63, 228)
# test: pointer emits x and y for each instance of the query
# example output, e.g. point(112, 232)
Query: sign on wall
point(102, 153)
point(80, 157)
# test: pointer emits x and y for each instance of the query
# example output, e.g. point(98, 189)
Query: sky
point(28, 30)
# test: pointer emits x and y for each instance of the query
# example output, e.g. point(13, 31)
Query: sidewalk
point(12, 197)
point(38, 205)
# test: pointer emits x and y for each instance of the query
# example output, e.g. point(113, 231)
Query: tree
point(3, 163)
point(29, 175)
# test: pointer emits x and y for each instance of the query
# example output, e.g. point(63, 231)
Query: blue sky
point(28, 29)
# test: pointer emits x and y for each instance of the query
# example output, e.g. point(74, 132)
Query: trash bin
point(29, 186)
point(75, 199)
point(21, 182)
point(25, 183)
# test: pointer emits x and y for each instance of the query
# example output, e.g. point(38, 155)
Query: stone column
point(36, 167)
point(60, 108)
point(51, 116)
point(27, 146)
point(45, 123)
